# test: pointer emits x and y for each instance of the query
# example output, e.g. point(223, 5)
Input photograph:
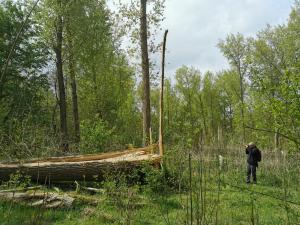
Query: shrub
point(95, 135)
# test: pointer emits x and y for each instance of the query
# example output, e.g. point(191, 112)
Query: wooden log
point(93, 190)
point(46, 200)
point(86, 157)
point(21, 189)
point(52, 171)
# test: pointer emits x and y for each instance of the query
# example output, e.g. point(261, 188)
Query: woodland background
point(69, 86)
point(69, 82)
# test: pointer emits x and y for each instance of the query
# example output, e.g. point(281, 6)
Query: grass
point(235, 208)
point(219, 197)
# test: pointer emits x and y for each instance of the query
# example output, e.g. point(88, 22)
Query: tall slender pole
point(161, 111)
point(191, 191)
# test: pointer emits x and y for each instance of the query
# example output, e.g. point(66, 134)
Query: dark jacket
point(253, 154)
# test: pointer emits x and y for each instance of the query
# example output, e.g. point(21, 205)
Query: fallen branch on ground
point(89, 189)
point(21, 189)
point(45, 200)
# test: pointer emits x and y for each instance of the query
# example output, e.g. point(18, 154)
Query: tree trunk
point(276, 140)
point(61, 85)
point(74, 102)
point(145, 73)
point(204, 119)
point(74, 90)
point(161, 111)
point(212, 124)
point(75, 168)
point(242, 102)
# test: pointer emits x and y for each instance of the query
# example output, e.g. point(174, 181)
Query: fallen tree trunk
point(88, 168)
point(87, 157)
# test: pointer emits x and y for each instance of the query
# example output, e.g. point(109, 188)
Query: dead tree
point(145, 73)
point(161, 112)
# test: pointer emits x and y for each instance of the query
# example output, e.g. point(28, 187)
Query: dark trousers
point(251, 170)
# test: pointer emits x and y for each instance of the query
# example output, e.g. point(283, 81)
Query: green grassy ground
point(235, 208)
point(218, 197)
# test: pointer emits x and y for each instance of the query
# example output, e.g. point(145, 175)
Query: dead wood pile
point(38, 199)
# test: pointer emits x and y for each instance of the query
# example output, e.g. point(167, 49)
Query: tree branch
point(273, 132)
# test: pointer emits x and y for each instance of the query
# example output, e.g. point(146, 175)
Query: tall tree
point(188, 83)
point(275, 79)
point(228, 97)
point(161, 102)
point(145, 72)
point(24, 113)
point(140, 21)
point(72, 72)
point(104, 80)
point(74, 13)
point(60, 76)
point(235, 49)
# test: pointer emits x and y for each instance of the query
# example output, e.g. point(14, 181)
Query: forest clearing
point(105, 117)
point(219, 196)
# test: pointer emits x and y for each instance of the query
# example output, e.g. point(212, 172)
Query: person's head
point(251, 144)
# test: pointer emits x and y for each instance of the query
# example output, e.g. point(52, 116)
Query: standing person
point(254, 156)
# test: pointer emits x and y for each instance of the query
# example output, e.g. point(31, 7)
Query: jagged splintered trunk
point(145, 72)
point(61, 86)
point(161, 102)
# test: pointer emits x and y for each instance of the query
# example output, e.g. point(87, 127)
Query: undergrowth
point(190, 188)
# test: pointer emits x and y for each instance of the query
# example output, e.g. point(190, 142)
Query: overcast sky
point(195, 26)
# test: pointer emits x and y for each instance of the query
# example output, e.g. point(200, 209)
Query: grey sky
point(195, 26)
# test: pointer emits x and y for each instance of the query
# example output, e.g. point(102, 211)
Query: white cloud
point(196, 26)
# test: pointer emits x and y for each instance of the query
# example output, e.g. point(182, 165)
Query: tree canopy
point(74, 47)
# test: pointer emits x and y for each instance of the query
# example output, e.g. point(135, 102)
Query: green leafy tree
point(235, 48)
point(275, 78)
point(24, 88)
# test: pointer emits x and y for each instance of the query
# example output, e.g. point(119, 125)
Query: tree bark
point(145, 73)
point(74, 101)
point(212, 124)
point(204, 118)
point(242, 101)
point(60, 79)
point(161, 111)
point(276, 140)
point(72, 168)
point(74, 89)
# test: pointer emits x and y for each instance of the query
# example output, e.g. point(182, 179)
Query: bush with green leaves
point(154, 180)
point(95, 135)
point(17, 180)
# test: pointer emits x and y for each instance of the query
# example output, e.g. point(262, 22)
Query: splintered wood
point(82, 167)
